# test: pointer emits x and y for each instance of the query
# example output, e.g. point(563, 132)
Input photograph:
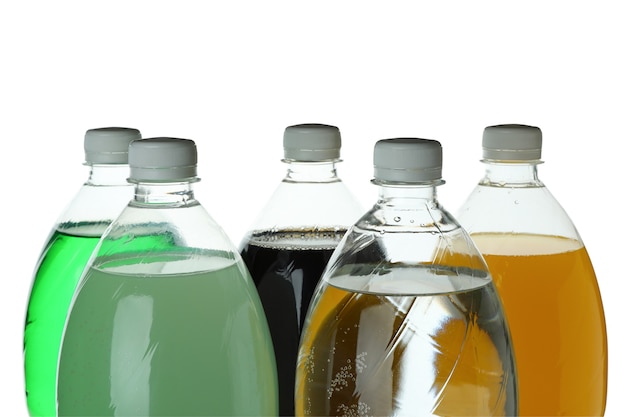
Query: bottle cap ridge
point(162, 159)
point(312, 142)
point(407, 160)
point(512, 142)
point(109, 145)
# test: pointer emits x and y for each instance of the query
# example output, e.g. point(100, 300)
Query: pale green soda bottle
point(166, 320)
point(66, 252)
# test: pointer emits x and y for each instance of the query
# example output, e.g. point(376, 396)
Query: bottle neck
point(511, 174)
point(178, 194)
point(406, 194)
point(409, 205)
point(106, 174)
point(315, 172)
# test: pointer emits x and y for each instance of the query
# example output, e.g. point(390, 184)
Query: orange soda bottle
point(544, 276)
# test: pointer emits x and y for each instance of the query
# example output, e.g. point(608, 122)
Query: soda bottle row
point(142, 306)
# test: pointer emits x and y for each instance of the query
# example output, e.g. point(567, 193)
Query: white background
point(233, 74)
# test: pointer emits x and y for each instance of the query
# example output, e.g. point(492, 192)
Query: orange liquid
point(376, 354)
point(552, 302)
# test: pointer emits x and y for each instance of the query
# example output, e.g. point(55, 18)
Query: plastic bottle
point(544, 276)
point(406, 320)
point(166, 320)
point(292, 239)
point(68, 247)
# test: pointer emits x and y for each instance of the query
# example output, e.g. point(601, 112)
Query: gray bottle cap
point(407, 160)
point(109, 145)
point(311, 142)
point(162, 160)
point(512, 142)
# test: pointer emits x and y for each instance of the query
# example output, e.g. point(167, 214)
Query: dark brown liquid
point(286, 267)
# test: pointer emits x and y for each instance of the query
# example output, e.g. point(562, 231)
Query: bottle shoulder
point(319, 193)
point(308, 206)
point(413, 237)
point(515, 209)
point(407, 261)
point(96, 203)
point(188, 228)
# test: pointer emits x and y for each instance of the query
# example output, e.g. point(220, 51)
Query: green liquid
point(60, 267)
point(147, 336)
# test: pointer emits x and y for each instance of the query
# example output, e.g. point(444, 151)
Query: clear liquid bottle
point(406, 320)
point(66, 252)
point(289, 244)
point(544, 276)
point(166, 320)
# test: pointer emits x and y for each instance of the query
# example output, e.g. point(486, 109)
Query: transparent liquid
point(414, 344)
point(286, 268)
point(551, 298)
point(150, 337)
point(59, 269)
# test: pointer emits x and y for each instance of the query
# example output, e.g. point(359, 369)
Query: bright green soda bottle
point(166, 320)
point(68, 248)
